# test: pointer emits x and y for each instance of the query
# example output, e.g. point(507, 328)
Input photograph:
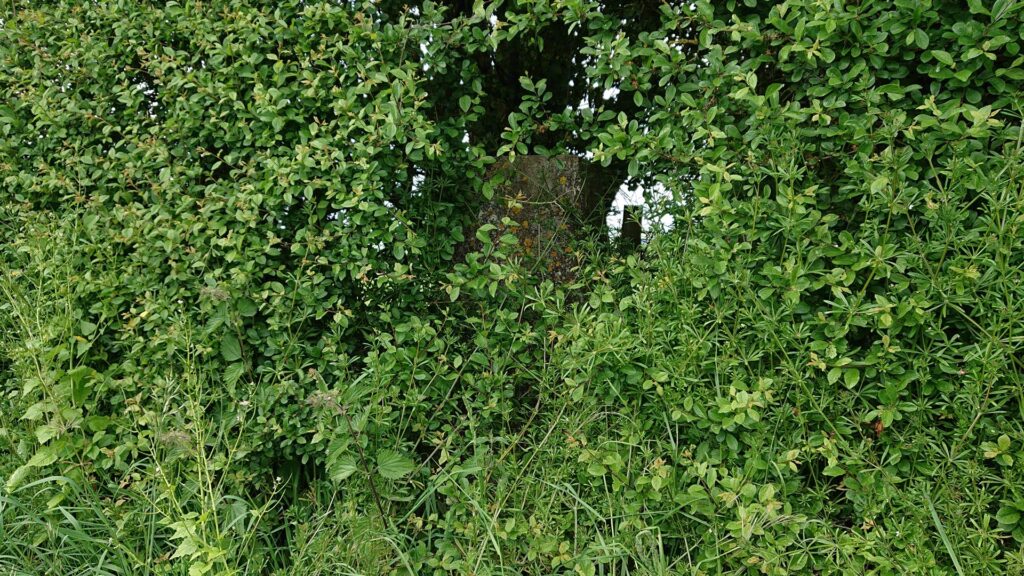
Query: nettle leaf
point(246, 307)
point(394, 465)
point(44, 456)
point(342, 467)
point(233, 373)
point(230, 348)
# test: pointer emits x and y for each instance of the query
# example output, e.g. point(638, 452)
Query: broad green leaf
point(394, 465)
point(851, 376)
point(246, 307)
point(342, 467)
point(943, 56)
point(233, 373)
point(834, 374)
point(230, 348)
point(1008, 516)
point(833, 471)
point(921, 38)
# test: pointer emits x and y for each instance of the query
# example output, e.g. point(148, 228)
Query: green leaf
point(81, 377)
point(465, 102)
point(230, 348)
point(921, 38)
point(342, 467)
point(833, 471)
point(186, 549)
point(1008, 516)
point(17, 477)
point(233, 373)
point(1003, 442)
point(393, 465)
point(483, 234)
point(86, 327)
point(43, 457)
point(879, 184)
point(834, 374)
point(851, 376)
point(943, 56)
point(247, 307)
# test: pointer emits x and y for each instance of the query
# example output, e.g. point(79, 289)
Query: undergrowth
point(242, 330)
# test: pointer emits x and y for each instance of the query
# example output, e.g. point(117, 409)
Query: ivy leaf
point(394, 465)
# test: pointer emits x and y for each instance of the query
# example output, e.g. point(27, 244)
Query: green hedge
point(236, 339)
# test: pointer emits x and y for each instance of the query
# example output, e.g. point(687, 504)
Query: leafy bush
point(240, 335)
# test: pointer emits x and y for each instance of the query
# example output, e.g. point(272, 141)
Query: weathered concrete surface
point(548, 202)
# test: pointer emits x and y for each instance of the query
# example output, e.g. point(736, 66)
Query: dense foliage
point(240, 334)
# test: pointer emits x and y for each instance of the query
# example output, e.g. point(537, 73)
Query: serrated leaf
point(247, 307)
point(43, 457)
point(186, 548)
point(230, 348)
point(342, 467)
point(17, 477)
point(394, 465)
point(233, 373)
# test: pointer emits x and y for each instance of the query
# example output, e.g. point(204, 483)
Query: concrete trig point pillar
point(546, 197)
